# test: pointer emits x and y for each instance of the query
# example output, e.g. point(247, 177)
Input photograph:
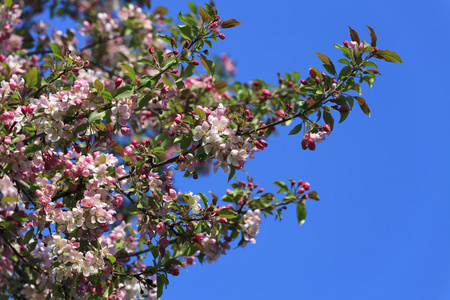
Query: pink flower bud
point(222, 36)
point(44, 202)
point(161, 228)
point(7, 140)
point(199, 236)
point(306, 185)
point(303, 82)
point(128, 151)
point(346, 43)
point(312, 73)
point(31, 108)
point(125, 130)
point(301, 190)
point(326, 128)
point(195, 62)
point(260, 190)
point(78, 102)
point(223, 220)
point(118, 82)
point(68, 164)
point(151, 50)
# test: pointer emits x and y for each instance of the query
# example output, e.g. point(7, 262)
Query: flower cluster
point(309, 139)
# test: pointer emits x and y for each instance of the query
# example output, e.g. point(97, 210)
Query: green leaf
point(362, 103)
point(373, 37)
point(354, 35)
point(325, 59)
point(98, 85)
point(131, 73)
point(192, 7)
point(186, 19)
point(169, 63)
point(124, 92)
point(165, 38)
point(221, 86)
point(328, 118)
point(212, 11)
point(345, 72)
point(159, 56)
point(367, 47)
point(56, 49)
point(8, 4)
point(330, 68)
point(301, 213)
point(160, 10)
point(283, 187)
point(228, 213)
point(32, 77)
point(199, 112)
point(204, 199)
point(389, 56)
point(230, 23)
point(96, 115)
point(370, 64)
point(208, 65)
point(189, 71)
point(10, 199)
point(111, 258)
point(146, 61)
point(186, 32)
point(203, 14)
point(296, 129)
point(31, 148)
point(344, 61)
point(313, 195)
point(81, 128)
point(343, 117)
point(28, 236)
point(231, 173)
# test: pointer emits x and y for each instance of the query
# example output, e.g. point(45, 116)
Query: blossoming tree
point(92, 136)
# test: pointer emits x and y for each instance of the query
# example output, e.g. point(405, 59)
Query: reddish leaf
point(230, 23)
point(362, 103)
point(373, 37)
point(354, 35)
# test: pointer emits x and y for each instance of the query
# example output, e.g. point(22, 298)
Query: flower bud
point(118, 82)
point(195, 62)
point(125, 130)
point(312, 73)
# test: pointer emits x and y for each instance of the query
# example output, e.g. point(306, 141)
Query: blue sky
point(381, 229)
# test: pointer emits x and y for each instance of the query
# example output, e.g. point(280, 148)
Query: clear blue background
point(381, 229)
